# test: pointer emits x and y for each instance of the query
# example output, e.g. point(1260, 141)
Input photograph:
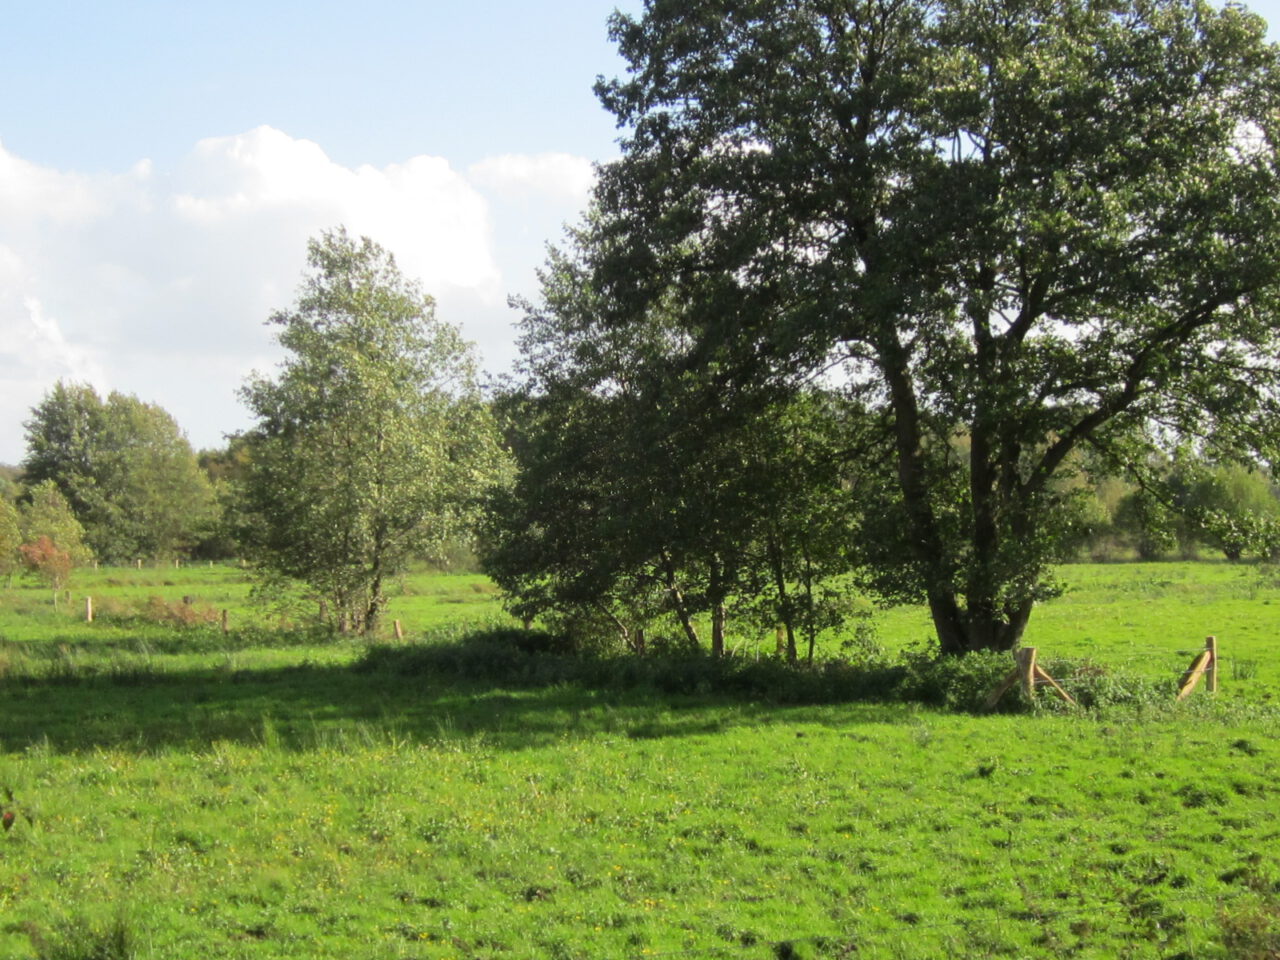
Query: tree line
point(894, 299)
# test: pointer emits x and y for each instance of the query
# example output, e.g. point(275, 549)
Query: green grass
point(1149, 619)
point(264, 801)
point(134, 627)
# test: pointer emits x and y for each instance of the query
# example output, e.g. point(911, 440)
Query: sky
point(163, 164)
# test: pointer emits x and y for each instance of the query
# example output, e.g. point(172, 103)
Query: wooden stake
point(139, 563)
point(1193, 674)
point(1054, 685)
point(88, 609)
point(224, 621)
point(399, 630)
point(1211, 674)
point(1029, 673)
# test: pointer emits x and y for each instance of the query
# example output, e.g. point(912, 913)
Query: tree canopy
point(640, 501)
point(1014, 231)
point(125, 468)
point(372, 443)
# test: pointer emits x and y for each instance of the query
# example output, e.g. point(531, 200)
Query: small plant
point(1251, 931)
point(1243, 669)
point(11, 812)
point(81, 940)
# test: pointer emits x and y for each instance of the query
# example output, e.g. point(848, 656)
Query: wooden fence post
point(399, 630)
point(1211, 672)
point(1026, 659)
point(88, 609)
point(224, 621)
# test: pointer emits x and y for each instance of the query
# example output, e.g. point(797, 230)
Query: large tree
point(372, 442)
point(1023, 227)
point(124, 466)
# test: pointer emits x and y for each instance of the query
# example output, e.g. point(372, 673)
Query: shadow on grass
point(508, 697)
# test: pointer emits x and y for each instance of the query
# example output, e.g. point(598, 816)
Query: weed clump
point(156, 610)
point(1251, 930)
point(81, 940)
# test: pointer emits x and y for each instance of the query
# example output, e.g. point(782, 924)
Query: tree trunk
point(624, 633)
point(811, 621)
point(718, 618)
point(981, 624)
point(949, 623)
point(716, 594)
point(785, 612)
point(677, 601)
point(373, 608)
point(980, 627)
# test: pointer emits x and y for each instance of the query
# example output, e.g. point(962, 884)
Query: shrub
point(1093, 684)
point(958, 683)
point(513, 656)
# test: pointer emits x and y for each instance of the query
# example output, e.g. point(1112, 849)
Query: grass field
point(180, 792)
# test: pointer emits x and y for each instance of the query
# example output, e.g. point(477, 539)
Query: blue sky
point(162, 165)
point(98, 85)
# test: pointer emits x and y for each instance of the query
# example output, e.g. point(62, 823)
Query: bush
point(514, 656)
point(1093, 685)
point(957, 683)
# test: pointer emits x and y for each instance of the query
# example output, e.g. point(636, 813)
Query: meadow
point(270, 791)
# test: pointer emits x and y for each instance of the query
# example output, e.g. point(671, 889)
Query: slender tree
point(10, 539)
point(372, 443)
point(53, 542)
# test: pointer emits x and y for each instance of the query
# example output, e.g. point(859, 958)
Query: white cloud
point(157, 282)
point(31, 193)
point(555, 175)
point(428, 215)
point(34, 353)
